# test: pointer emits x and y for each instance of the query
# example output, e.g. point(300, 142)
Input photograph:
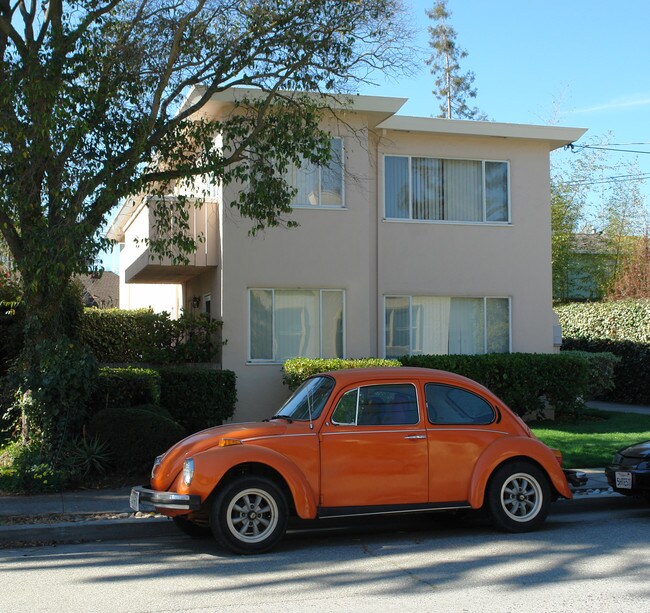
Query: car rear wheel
point(518, 497)
point(249, 515)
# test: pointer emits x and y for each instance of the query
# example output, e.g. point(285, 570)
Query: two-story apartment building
point(422, 235)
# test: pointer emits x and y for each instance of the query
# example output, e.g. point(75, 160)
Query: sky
point(577, 63)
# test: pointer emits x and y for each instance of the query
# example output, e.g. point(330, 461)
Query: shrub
point(198, 398)
point(631, 374)
point(118, 336)
point(134, 436)
point(602, 367)
point(525, 382)
point(25, 467)
point(126, 388)
point(620, 320)
point(296, 370)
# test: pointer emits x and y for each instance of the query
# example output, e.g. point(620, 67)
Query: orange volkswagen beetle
point(358, 442)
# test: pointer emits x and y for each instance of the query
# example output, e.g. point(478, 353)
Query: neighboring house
point(421, 236)
point(592, 264)
point(101, 290)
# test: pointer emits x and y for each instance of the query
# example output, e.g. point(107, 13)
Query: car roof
point(351, 375)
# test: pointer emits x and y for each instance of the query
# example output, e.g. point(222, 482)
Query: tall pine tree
point(453, 88)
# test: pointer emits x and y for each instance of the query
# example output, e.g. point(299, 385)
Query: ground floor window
point(289, 323)
point(417, 325)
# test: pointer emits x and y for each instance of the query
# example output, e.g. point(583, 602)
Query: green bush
point(198, 398)
point(631, 374)
point(526, 382)
point(296, 370)
point(118, 336)
point(602, 367)
point(134, 436)
point(126, 388)
point(620, 320)
point(26, 468)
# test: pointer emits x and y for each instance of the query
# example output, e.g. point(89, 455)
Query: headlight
point(188, 471)
point(156, 464)
point(643, 466)
point(618, 458)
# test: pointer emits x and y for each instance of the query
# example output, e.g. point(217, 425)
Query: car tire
point(196, 531)
point(249, 515)
point(518, 497)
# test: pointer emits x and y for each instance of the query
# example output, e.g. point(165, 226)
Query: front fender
point(211, 465)
point(507, 448)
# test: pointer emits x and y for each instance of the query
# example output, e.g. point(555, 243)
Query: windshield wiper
point(282, 417)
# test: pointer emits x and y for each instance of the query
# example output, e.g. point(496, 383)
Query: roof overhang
point(555, 136)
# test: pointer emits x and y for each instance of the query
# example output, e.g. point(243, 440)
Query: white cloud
point(627, 102)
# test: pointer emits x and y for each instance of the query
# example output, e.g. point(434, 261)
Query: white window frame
point(410, 219)
point(410, 312)
point(320, 185)
point(320, 291)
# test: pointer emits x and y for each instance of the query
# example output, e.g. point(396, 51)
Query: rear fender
point(509, 448)
point(211, 465)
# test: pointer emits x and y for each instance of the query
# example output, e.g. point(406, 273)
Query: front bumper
point(143, 497)
point(640, 483)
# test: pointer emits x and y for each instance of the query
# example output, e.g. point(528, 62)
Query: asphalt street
point(591, 554)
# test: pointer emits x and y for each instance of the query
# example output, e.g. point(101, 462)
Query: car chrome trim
point(392, 509)
point(276, 436)
point(382, 430)
point(167, 500)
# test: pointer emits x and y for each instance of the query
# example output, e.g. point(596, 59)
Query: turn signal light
point(227, 442)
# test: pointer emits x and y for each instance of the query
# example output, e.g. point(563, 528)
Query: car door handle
point(412, 437)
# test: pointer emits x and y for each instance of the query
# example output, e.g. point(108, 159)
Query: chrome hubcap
point(521, 497)
point(252, 515)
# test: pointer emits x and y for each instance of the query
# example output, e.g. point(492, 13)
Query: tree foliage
point(453, 88)
point(101, 100)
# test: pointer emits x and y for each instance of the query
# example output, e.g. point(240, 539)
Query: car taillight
point(558, 456)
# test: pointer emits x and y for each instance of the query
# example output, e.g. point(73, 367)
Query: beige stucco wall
point(356, 250)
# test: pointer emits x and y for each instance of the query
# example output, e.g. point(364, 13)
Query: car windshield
point(308, 400)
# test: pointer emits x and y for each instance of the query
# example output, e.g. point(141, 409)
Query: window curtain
point(463, 185)
point(428, 200)
point(396, 191)
point(261, 324)
point(296, 324)
point(498, 325)
point(430, 333)
point(466, 326)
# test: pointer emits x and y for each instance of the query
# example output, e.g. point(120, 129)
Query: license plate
point(134, 500)
point(624, 480)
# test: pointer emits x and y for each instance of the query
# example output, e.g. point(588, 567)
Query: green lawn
point(591, 442)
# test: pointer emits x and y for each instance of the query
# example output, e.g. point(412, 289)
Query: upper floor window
point(319, 185)
point(287, 324)
point(436, 189)
point(441, 325)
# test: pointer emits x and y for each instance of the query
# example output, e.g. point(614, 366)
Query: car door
point(461, 425)
point(373, 448)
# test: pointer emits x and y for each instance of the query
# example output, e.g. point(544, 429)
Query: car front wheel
point(518, 497)
point(249, 515)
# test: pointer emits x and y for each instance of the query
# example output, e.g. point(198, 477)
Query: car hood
point(639, 450)
point(172, 460)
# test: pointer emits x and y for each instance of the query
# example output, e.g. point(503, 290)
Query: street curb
point(91, 530)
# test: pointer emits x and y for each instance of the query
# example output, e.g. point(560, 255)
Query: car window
point(378, 405)
point(452, 405)
point(308, 400)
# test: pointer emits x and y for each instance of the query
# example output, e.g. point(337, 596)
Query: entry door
point(374, 449)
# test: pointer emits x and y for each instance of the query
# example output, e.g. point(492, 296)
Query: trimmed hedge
point(118, 336)
point(296, 370)
point(620, 320)
point(602, 367)
point(631, 374)
point(126, 388)
point(134, 436)
point(526, 382)
point(198, 398)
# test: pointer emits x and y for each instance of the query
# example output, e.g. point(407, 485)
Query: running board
point(390, 509)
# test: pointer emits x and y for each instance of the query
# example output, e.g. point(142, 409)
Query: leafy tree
point(633, 277)
point(453, 88)
point(104, 99)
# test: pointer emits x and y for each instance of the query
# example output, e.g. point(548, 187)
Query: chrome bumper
point(163, 500)
point(576, 478)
